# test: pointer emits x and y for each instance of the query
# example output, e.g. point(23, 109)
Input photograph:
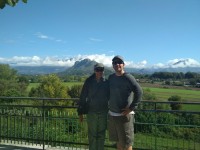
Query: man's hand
point(81, 118)
point(126, 111)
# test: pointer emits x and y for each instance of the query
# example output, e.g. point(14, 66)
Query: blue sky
point(144, 32)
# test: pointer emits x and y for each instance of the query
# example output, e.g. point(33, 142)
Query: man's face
point(118, 65)
point(99, 72)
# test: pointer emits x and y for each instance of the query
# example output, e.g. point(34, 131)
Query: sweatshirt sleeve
point(137, 90)
point(83, 97)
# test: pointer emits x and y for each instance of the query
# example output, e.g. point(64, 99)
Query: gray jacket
point(124, 92)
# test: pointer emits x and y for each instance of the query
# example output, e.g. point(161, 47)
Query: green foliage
point(10, 83)
point(190, 75)
point(12, 3)
point(167, 82)
point(175, 106)
point(168, 75)
point(174, 75)
point(62, 125)
point(7, 73)
point(73, 78)
point(192, 81)
point(175, 98)
point(148, 95)
point(169, 125)
point(179, 83)
point(50, 87)
point(75, 91)
point(12, 93)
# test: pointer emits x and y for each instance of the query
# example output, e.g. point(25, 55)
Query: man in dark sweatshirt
point(95, 91)
point(125, 95)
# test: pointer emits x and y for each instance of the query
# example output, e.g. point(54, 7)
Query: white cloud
point(141, 64)
point(43, 36)
point(175, 63)
point(95, 40)
point(106, 60)
point(102, 58)
point(159, 65)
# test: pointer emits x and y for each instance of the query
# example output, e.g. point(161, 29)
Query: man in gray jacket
point(125, 95)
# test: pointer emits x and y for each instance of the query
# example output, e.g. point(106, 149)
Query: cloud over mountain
point(106, 60)
point(178, 63)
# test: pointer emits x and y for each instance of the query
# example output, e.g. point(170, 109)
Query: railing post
point(43, 113)
point(155, 125)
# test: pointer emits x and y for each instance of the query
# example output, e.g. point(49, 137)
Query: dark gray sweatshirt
point(124, 92)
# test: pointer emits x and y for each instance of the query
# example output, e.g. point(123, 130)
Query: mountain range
point(85, 66)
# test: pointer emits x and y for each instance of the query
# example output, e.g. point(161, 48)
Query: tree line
point(14, 84)
point(176, 75)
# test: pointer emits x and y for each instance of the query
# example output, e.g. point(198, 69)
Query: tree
point(167, 82)
point(175, 106)
point(190, 75)
point(6, 73)
point(148, 95)
point(10, 82)
point(12, 3)
point(50, 87)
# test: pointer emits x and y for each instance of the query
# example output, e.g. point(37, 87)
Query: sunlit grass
point(165, 93)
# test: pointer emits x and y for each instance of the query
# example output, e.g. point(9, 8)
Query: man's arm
point(83, 96)
point(137, 90)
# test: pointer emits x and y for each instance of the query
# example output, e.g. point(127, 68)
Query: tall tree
point(10, 83)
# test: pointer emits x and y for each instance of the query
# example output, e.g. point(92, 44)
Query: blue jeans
point(97, 124)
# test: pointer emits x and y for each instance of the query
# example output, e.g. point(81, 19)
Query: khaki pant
point(121, 129)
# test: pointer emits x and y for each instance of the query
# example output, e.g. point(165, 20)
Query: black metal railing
point(53, 122)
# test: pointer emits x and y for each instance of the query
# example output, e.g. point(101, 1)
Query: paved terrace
point(12, 146)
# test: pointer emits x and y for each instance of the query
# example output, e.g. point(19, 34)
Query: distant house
point(198, 84)
point(187, 84)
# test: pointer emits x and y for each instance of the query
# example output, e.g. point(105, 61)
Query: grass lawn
point(187, 95)
point(165, 93)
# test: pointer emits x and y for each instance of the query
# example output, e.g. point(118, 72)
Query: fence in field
point(53, 123)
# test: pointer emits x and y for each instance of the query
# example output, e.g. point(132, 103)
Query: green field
point(165, 93)
point(187, 95)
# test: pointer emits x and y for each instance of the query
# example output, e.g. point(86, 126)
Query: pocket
point(126, 118)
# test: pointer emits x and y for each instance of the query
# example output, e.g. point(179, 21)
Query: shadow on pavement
point(9, 147)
